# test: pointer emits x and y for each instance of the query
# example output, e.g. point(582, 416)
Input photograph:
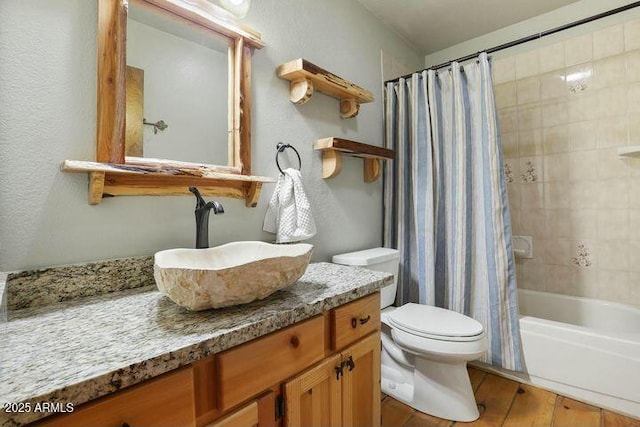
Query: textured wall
point(47, 114)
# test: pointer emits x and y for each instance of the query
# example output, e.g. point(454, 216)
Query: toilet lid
point(429, 321)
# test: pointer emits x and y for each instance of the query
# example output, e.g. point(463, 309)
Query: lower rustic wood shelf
point(332, 149)
point(172, 178)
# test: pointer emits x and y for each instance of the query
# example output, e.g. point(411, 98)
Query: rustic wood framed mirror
point(115, 174)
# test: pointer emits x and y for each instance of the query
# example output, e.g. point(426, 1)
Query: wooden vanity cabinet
point(327, 370)
point(344, 390)
point(321, 371)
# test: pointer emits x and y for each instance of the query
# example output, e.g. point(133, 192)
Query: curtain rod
point(526, 39)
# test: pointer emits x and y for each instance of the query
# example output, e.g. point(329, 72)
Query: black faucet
point(202, 218)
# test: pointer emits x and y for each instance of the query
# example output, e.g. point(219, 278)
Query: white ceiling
point(432, 25)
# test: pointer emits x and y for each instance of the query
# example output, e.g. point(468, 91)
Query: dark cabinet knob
point(338, 372)
point(350, 363)
point(295, 341)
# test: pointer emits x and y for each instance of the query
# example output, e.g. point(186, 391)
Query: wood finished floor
point(506, 403)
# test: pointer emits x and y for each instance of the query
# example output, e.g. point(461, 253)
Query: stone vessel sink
point(231, 274)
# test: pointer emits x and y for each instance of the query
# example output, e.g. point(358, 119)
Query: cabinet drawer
point(255, 366)
point(164, 401)
point(353, 321)
point(245, 417)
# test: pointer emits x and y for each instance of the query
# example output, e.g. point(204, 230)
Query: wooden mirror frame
point(114, 175)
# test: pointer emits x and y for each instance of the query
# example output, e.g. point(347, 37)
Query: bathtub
point(582, 348)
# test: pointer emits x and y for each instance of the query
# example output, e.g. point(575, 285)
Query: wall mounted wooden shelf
point(165, 178)
point(305, 77)
point(332, 149)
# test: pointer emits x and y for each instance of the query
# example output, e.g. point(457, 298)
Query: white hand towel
point(289, 214)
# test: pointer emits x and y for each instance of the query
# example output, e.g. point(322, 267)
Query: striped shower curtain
point(445, 201)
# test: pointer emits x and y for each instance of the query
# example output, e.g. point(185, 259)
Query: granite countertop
point(78, 350)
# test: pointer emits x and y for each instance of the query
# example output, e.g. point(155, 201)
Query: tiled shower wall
point(564, 111)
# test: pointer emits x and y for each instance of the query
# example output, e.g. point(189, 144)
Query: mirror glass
point(177, 88)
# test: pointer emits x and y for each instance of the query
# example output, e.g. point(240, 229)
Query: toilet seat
point(435, 323)
point(435, 333)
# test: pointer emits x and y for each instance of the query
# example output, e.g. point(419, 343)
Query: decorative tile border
point(530, 175)
point(508, 173)
point(583, 257)
point(578, 86)
point(37, 288)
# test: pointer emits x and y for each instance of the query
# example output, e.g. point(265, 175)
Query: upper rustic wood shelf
point(305, 77)
point(332, 149)
point(161, 178)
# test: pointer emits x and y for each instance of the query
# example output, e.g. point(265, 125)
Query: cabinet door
point(313, 398)
point(361, 383)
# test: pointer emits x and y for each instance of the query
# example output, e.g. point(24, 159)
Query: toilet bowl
point(425, 349)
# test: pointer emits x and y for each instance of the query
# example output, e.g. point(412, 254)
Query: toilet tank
point(377, 259)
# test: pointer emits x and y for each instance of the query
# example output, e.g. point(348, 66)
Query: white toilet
point(425, 349)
